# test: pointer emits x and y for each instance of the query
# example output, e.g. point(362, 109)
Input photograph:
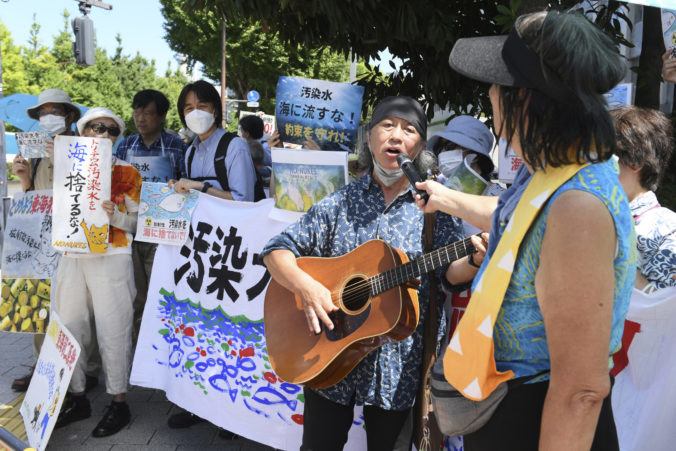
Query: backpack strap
point(219, 162)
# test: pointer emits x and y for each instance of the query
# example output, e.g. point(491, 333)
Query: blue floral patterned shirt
point(656, 237)
point(388, 376)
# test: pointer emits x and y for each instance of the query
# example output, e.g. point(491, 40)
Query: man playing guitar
point(379, 205)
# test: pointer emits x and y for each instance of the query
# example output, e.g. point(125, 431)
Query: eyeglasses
point(56, 111)
point(100, 129)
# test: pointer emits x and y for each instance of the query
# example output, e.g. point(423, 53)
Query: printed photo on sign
point(202, 338)
point(303, 178)
point(32, 144)
point(164, 214)
point(465, 179)
point(82, 175)
point(41, 406)
point(324, 111)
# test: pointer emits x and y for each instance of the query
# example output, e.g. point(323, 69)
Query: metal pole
point(224, 91)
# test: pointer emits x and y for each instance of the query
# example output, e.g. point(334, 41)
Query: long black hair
point(205, 92)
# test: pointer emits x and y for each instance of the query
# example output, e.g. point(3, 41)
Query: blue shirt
point(519, 333)
point(238, 163)
point(387, 377)
point(167, 144)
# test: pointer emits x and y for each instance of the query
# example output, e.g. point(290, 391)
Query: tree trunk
point(650, 62)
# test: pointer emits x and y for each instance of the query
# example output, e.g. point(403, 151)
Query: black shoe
point(22, 383)
point(227, 435)
point(183, 419)
point(116, 417)
point(74, 408)
point(91, 382)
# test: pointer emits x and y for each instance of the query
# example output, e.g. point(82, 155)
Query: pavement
point(147, 430)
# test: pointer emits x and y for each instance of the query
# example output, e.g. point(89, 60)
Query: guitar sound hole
point(356, 294)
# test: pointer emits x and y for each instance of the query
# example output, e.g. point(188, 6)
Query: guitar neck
point(423, 264)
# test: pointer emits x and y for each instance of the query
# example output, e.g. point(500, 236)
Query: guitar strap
point(426, 433)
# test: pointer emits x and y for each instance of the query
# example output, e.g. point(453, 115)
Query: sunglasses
point(100, 129)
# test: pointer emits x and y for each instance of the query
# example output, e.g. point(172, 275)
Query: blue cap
point(467, 132)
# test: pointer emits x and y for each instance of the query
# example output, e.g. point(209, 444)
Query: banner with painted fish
point(164, 214)
point(202, 338)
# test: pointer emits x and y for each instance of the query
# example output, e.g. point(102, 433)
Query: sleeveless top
point(519, 333)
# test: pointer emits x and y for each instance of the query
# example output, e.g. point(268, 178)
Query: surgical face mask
point(199, 121)
point(53, 124)
point(388, 176)
point(449, 160)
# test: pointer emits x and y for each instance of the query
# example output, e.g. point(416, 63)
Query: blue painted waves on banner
point(224, 354)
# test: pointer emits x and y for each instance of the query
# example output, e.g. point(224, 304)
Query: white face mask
point(199, 121)
point(53, 124)
point(449, 160)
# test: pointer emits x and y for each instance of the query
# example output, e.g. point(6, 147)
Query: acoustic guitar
point(374, 288)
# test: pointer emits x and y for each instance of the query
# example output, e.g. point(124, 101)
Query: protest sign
point(323, 111)
point(269, 123)
point(28, 263)
point(304, 177)
point(508, 162)
point(465, 179)
point(47, 390)
point(202, 338)
point(32, 144)
point(82, 174)
point(164, 214)
point(644, 394)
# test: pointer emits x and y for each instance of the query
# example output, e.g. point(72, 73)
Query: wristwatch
point(205, 186)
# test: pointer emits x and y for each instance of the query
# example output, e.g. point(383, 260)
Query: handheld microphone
point(412, 175)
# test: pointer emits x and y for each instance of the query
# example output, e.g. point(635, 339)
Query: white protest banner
point(202, 338)
point(40, 408)
point(304, 177)
point(269, 122)
point(32, 144)
point(164, 214)
point(644, 394)
point(508, 162)
point(28, 263)
point(82, 174)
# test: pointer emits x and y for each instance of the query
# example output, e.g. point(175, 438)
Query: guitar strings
point(357, 291)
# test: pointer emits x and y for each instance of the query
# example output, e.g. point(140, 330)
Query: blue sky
point(139, 22)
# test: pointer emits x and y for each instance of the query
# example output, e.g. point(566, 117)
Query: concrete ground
point(147, 430)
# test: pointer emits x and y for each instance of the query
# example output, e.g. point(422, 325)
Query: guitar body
point(362, 323)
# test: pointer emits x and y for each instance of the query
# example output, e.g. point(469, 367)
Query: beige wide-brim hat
point(97, 113)
point(53, 96)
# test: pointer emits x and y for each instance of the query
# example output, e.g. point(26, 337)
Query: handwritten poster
point(324, 111)
point(269, 122)
point(42, 404)
point(82, 173)
point(28, 263)
point(304, 177)
point(32, 144)
point(202, 338)
point(164, 214)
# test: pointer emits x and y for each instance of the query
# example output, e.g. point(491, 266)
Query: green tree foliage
point(256, 57)
point(110, 82)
